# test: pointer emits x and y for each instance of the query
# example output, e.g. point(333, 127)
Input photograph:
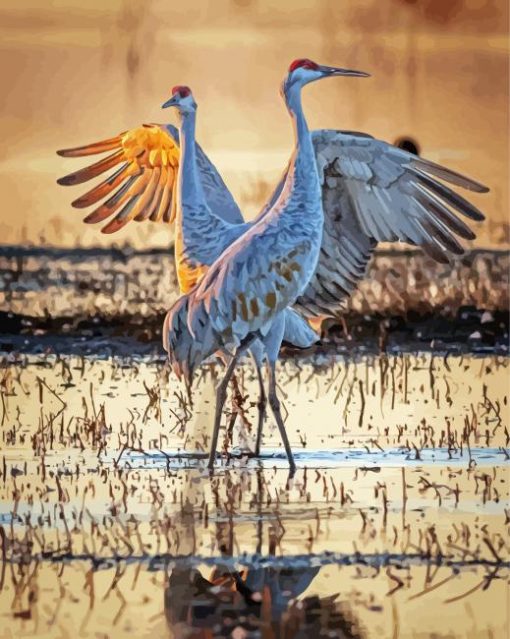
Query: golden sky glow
point(79, 72)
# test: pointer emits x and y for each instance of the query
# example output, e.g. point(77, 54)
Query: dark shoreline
point(112, 301)
point(120, 337)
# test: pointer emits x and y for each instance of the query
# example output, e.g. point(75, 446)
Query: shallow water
point(395, 523)
point(200, 600)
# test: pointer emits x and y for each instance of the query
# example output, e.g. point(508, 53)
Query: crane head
point(182, 99)
point(303, 71)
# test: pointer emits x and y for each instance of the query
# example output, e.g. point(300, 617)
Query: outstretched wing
point(374, 192)
point(143, 186)
point(140, 188)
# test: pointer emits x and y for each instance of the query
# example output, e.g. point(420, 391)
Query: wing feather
point(450, 197)
point(92, 171)
point(116, 201)
point(145, 200)
point(441, 211)
point(92, 149)
point(103, 189)
point(449, 176)
point(153, 207)
point(124, 216)
point(166, 202)
point(436, 230)
point(145, 186)
point(374, 192)
point(152, 151)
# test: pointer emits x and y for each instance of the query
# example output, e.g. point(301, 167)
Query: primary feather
point(143, 187)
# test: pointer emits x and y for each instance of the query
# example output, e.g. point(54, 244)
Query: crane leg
point(221, 396)
point(257, 353)
point(261, 406)
point(274, 402)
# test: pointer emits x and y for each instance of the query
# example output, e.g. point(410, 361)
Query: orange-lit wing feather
point(142, 188)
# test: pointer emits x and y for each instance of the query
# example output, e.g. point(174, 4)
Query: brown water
point(395, 524)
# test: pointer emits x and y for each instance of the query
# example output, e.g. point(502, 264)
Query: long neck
point(189, 193)
point(303, 141)
point(200, 236)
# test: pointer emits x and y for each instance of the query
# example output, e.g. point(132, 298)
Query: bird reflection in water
point(253, 603)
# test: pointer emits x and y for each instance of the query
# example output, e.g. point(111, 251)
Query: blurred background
point(75, 72)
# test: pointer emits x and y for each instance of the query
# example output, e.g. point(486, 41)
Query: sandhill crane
point(149, 190)
point(244, 294)
point(201, 236)
point(371, 192)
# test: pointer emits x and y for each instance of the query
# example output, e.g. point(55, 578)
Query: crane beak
point(336, 71)
point(170, 103)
